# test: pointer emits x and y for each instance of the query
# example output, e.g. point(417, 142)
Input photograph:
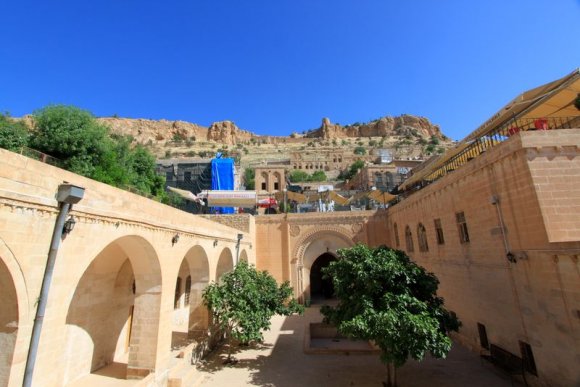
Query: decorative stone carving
point(294, 230)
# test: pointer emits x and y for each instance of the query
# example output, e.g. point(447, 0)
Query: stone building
point(497, 219)
point(270, 179)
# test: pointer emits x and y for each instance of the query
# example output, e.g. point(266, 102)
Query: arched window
point(422, 238)
point(396, 230)
point(177, 293)
point(187, 290)
point(409, 239)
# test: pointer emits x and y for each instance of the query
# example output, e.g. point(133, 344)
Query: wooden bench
point(507, 361)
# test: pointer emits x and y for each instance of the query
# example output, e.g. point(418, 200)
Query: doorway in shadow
point(321, 288)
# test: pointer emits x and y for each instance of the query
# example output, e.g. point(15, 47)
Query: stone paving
point(280, 361)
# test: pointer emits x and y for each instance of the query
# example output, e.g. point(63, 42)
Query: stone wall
point(114, 277)
point(526, 189)
point(239, 221)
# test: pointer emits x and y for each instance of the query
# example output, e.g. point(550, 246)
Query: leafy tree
point(13, 134)
point(86, 147)
point(385, 297)
point(244, 301)
point(317, 176)
point(71, 135)
point(249, 178)
point(297, 176)
point(352, 170)
point(359, 150)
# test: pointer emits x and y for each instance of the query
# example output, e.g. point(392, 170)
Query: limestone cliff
point(386, 126)
point(144, 131)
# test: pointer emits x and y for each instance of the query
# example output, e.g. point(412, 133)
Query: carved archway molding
point(315, 233)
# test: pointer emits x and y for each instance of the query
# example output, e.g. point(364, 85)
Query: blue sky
point(275, 67)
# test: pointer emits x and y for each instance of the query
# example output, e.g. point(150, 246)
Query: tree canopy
point(385, 297)
point(13, 134)
point(298, 175)
point(86, 147)
point(250, 178)
point(244, 301)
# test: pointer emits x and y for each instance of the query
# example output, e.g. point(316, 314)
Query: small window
point(177, 293)
point(263, 186)
point(187, 290)
point(422, 238)
point(409, 240)
point(483, 341)
point(169, 176)
point(276, 186)
point(439, 232)
point(528, 358)
point(462, 226)
point(396, 229)
point(187, 176)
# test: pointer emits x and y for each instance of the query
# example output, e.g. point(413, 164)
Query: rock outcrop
point(386, 126)
point(226, 132)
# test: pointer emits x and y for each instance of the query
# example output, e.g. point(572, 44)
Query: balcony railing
point(464, 153)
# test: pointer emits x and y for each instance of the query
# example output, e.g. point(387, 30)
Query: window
point(462, 226)
point(187, 290)
point(439, 232)
point(528, 358)
point(169, 176)
point(177, 293)
point(396, 229)
point(276, 186)
point(422, 238)
point(483, 341)
point(187, 176)
point(409, 239)
point(263, 186)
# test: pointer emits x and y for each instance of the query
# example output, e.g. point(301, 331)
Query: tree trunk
point(391, 375)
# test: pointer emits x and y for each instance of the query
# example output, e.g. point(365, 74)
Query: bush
point(359, 150)
point(244, 301)
point(14, 135)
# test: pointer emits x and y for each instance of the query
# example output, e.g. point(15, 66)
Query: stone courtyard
point(280, 361)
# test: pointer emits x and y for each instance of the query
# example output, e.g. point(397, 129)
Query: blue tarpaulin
point(222, 178)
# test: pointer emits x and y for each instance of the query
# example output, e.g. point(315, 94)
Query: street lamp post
point(285, 202)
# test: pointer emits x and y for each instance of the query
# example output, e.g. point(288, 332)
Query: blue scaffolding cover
point(222, 178)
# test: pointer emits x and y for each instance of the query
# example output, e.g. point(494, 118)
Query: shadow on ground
point(281, 362)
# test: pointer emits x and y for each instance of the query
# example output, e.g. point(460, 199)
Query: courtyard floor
point(280, 361)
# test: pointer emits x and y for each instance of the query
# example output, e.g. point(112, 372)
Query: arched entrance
point(320, 287)
point(308, 250)
point(190, 316)
point(113, 317)
point(8, 322)
point(225, 264)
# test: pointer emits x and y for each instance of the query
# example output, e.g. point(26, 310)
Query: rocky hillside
point(227, 133)
point(404, 125)
point(149, 131)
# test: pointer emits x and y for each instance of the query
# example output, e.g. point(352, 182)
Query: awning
point(231, 198)
point(381, 196)
point(294, 196)
point(187, 195)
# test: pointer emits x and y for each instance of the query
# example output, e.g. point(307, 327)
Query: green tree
point(385, 297)
point(359, 150)
point(13, 134)
point(244, 301)
point(71, 135)
point(250, 178)
point(297, 176)
point(317, 176)
point(86, 147)
point(352, 170)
